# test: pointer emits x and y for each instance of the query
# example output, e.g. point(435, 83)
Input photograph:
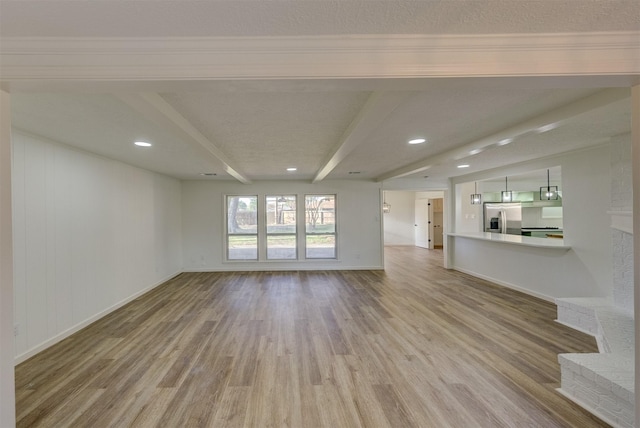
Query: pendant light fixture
point(476, 198)
point(386, 208)
point(507, 195)
point(548, 193)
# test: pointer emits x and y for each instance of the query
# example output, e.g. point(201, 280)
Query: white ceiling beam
point(551, 119)
point(378, 106)
point(155, 108)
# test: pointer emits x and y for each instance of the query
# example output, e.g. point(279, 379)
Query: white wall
point(583, 271)
point(545, 273)
point(532, 217)
point(7, 384)
point(585, 176)
point(358, 217)
point(399, 223)
point(468, 217)
point(622, 200)
point(89, 235)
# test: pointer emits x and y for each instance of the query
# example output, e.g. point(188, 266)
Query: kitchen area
point(504, 228)
point(527, 205)
point(527, 215)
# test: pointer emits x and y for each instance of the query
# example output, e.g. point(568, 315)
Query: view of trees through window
point(320, 226)
point(242, 227)
point(280, 214)
point(281, 227)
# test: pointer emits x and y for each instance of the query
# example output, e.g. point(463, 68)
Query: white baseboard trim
point(508, 285)
point(63, 335)
point(231, 268)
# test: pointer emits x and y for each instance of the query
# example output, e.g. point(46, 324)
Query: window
point(320, 226)
point(248, 238)
point(242, 227)
point(281, 228)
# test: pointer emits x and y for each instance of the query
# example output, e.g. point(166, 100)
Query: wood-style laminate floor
point(414, 346)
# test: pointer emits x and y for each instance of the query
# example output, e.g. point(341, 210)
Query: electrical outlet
point(16, 329)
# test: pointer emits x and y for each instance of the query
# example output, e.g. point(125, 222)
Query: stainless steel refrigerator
point(503, 217)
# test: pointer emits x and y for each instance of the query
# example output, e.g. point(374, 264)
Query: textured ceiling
point(182, 18)
point(267, 132)
point(584, 130)
point(351, 128)
point(105, 126)
point(592, 128)
point(264, 131)
point(449, 116)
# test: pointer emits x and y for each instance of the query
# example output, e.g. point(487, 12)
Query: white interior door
point(421, 223)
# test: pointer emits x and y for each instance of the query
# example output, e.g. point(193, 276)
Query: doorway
point(422, 224)
point(436, 225)
point(414, 218)
point(428, 223)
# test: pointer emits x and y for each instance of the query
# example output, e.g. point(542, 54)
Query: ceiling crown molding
point(366, 56)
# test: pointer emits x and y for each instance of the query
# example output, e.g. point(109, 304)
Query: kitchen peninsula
point(522, 240)
point(578, 265)
point(542, 267)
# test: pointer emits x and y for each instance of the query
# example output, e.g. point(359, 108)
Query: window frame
point(228, 234)
point(335, 227)
point(268, 234)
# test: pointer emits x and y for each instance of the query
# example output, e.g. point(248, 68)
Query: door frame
point(418, 218)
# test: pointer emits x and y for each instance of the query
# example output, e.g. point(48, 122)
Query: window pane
point(281, 247)
point(242, 227)
point(320, 213)
point(242, 214)
point(243, 247)
point(281, 227)
point(281, 214)
point(321, 247)
point(320, 226)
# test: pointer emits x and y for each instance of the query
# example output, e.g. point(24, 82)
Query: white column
point(449, 216)
point(635, 141)
point(7, 380)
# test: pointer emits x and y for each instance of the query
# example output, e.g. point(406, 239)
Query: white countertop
point(528, 241)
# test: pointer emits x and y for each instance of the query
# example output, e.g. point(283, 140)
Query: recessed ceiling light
point(142, 144)
point(417, 141)
point(475, 151)
point(463, 166)
point(505, 141)
point(292, 169)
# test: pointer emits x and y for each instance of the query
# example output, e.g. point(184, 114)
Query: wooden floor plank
point(392, 406)
point(412, 346)
point(233, 407)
